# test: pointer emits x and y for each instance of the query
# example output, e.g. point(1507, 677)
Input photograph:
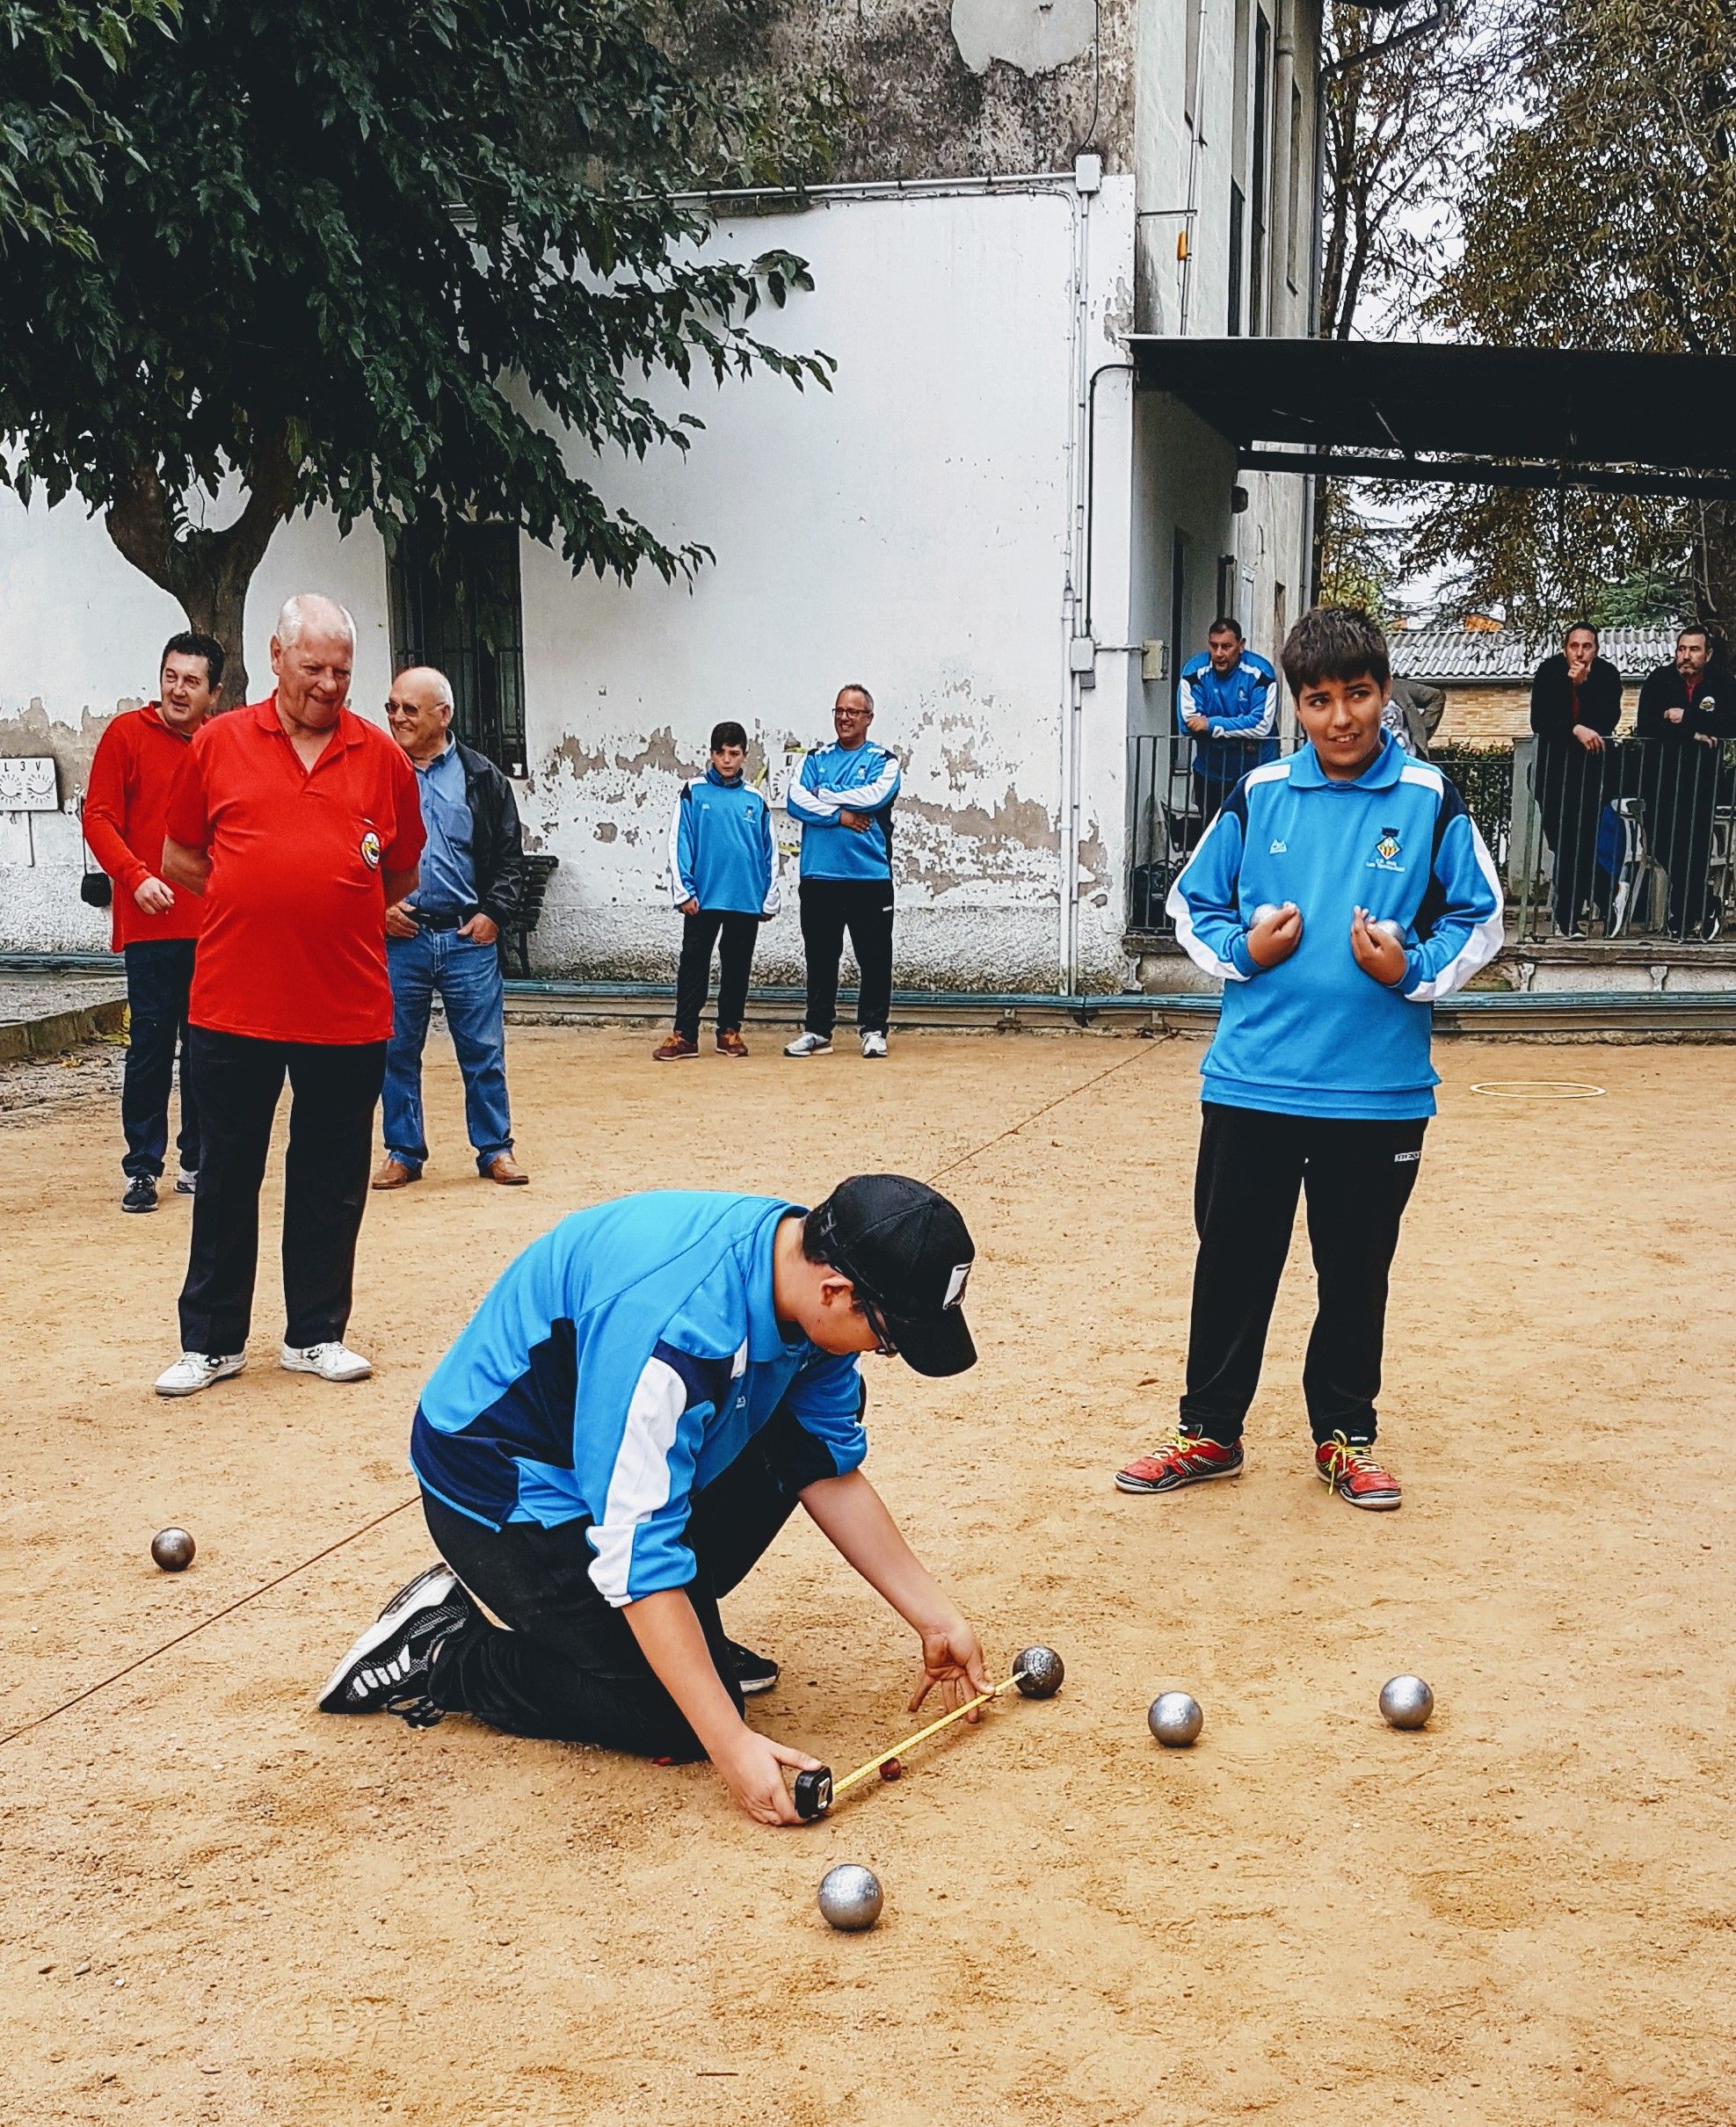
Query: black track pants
point(1357, 1178)
point(864, 908)
point(569, 1667)
point(735, 963)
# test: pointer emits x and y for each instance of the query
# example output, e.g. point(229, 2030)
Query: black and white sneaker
point(754, 1673)
point(387, 1670)
point(141, 1194)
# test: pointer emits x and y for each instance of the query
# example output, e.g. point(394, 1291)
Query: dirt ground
point(218, 1905)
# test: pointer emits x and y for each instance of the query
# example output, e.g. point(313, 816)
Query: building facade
point(983, 521)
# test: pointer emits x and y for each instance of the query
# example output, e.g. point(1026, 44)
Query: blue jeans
point(467, 976)
point(159, 974)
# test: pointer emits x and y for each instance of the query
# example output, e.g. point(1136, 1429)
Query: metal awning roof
point(1502, 417)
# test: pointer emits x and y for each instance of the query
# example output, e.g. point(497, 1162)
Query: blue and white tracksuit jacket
point(1242, 707)
point(1315, 1035)
point(720, 851)
point(846, 779)
point(618, 1365)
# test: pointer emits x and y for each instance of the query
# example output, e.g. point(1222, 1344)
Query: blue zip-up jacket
point(720, 851)
point(1315, 1035)
point(1242, 710)
point(840, 779)
point(617, 1366)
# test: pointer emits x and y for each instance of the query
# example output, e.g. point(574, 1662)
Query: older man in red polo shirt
point(299, 824)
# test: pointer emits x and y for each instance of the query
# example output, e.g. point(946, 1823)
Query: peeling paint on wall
point(1036, 36)
point(33, 730)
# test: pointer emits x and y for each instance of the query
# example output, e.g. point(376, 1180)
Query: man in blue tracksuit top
point(1227, 700)
point(723, 878)
point(632, 1414)
point(1336, 894)
point(844, 800)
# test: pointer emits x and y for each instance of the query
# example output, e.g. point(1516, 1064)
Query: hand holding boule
point(1274, 934)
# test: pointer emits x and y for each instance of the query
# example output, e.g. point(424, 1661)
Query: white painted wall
point(918, 528)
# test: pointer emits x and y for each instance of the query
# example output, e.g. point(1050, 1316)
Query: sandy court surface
point(217, 1905)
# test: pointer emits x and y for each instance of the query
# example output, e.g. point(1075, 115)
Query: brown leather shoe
point(393, 1174)
point(506, 1171)
point(730, 1043)
point(674, 1047)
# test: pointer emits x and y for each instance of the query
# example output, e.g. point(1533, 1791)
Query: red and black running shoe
point(1349, 1469)
point(1184, 1458)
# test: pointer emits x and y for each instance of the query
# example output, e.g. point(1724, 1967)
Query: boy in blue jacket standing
point(1226, 700)
point(1337, 893)
point(615, 1440)
point(722, 879)
point(844, 800)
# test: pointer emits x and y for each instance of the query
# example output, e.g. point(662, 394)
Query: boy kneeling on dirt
point(616, 1438)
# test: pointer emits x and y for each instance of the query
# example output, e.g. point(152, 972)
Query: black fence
point(1636, 841)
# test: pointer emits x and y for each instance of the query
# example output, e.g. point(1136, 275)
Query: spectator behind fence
point(1576, 703)
point(154, 929)
point(1686, 708)
point(1227, 700)
point(1414, 713)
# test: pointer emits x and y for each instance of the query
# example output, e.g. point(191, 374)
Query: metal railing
point(1636, 841)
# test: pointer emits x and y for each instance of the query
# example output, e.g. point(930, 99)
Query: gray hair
point(444, 697)
point(310, 609)
point(855, 686)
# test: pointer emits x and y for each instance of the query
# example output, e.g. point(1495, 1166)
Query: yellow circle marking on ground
point(1539, 1089)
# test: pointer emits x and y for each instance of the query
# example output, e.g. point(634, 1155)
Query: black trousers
point(864, 908)
point(159, 974)
point(1357, 1178)
point(1571, 791)
point(570, 1668)
point(334, 1088)
point(1686, 780)
point(735, 961)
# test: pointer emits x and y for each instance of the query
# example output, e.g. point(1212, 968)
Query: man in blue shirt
point(1336, 895)
point(723, 881)
point(843, 799)
point(442, 938)
point(1226, 700)
point(631, 1416)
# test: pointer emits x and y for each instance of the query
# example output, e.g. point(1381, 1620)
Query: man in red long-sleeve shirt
point(155, 928)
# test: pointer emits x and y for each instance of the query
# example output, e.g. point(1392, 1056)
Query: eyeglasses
point(882, 1336)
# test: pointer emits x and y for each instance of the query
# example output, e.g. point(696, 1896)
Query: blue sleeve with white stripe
point(774, 897)
point(682, 852)
point(638, 1537)
point(826, 1396)
point(1465, 904)
point(1256, 720)
point(1204, 903)
point(805, 802)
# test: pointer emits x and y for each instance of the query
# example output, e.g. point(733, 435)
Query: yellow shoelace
point(1345, 1456)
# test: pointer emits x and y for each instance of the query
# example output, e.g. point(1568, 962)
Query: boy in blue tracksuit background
point(633, 1412)
point(724, 881)
point(1226, 700)
point(1337, 893)
point(844, 798)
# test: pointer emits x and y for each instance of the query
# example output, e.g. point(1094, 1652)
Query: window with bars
point(457, 605)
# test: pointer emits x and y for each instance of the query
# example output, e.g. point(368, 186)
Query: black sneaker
point(754, 1673)
point(141, 1194)
point(387, 1670)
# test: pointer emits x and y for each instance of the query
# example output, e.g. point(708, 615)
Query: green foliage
point(410, 259)
point(1357, 552)
point(57, 63)
point(1604, 217)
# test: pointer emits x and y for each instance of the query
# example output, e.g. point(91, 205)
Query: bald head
point(313, 649)
point(419, 711)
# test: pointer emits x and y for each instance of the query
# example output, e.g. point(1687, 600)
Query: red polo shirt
point(294, 948)
point(138, 758)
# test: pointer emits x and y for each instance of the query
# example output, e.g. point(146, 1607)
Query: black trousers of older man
point(864, 908)
point(334, 1090)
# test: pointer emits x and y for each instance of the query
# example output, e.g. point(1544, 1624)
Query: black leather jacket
point(497, 839)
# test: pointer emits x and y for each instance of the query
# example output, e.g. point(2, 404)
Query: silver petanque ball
point(1175, 1719)
point(1265, 910)
point(851, 1896)
point(1038, 1672)
point(1393, 929)
point(1406, 1701)
point(172, 1550)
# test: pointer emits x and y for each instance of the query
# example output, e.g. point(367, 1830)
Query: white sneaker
point(186, 1181)
point(810, 1045)
point(329, 1361)
point(195, 1371)
point(874, 1044)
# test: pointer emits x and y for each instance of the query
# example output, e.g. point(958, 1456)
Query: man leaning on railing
point(1226, 700)
point(1686, 709)
point(1576, 703)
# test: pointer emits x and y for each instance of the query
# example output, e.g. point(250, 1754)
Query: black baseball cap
point(908, 1254)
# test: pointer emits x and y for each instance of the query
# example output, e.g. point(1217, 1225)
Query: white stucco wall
point(920, 528)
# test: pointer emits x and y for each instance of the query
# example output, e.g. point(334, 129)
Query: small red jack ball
point(891, 1770)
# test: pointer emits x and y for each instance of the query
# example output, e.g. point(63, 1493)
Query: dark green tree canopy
point(378, 257)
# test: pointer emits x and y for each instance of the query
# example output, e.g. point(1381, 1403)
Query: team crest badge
point(370, 850)
point(1388, 844)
